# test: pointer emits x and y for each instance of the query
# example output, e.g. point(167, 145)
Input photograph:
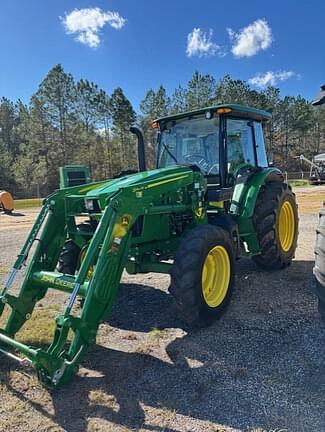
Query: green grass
point(27, 203)
point(299, 183)
point(156, 334)
point(39, 329)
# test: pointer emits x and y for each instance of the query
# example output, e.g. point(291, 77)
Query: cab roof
point(237, 110)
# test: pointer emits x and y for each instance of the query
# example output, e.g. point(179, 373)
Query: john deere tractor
point(211, 199)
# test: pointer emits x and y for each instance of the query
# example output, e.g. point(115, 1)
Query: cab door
point(240, 147)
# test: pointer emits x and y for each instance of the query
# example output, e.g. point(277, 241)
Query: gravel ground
point(260, 368)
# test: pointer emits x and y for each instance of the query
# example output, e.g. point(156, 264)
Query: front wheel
point(276, 224)
point(202, 276)
point(71, 254)
point(69, 257)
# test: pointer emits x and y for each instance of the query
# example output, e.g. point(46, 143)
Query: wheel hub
point(286, 226)
point(216, 276)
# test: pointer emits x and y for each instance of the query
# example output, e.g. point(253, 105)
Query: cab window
point(260, 145)
point(240, 144)
point(191, 141)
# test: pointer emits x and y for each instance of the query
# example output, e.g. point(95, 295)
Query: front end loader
point(211, 199)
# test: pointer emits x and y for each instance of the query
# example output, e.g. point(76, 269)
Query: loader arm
point(309, 162)
point(56, 365)
point(108, 253)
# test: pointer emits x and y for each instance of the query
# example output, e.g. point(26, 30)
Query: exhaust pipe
point(141, 150)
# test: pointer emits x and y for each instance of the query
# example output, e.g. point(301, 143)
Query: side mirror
point(270, 158)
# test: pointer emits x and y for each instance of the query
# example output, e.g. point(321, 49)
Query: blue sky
point(138, 44)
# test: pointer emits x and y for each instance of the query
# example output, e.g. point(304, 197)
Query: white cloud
point(271, 78)
point(199, 43)
point(251, 39)
point(87, 23)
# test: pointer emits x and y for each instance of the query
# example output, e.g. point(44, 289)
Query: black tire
point(69, 258)
point(271, 199)
point(186, 275)
point(319, 268)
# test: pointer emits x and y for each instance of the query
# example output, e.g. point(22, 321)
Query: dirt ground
point(260, 368)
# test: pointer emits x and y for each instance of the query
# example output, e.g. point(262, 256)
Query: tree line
point(76, 122)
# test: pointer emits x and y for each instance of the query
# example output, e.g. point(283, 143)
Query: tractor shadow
point(261, 366)
point(142, 308)
point(13, 214)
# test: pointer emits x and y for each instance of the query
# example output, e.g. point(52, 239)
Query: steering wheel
point(216, 165)
point(198, 160)
point(244, 168)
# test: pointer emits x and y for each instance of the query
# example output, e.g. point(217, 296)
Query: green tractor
point(211, 199)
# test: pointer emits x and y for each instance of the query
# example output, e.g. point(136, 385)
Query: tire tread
point(186, 275)
point(266, 211)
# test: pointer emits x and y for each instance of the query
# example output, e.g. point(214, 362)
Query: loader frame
point(109, 249)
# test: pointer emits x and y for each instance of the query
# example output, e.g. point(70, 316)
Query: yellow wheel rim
point(216, 276)
point(91, 268)
point(287, 226)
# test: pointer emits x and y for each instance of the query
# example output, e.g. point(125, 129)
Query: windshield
point(192, 141)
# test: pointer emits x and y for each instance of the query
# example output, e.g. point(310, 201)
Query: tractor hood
point(101, 191)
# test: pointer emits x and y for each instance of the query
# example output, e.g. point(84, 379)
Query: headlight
point(92, 205)
point(89, 204)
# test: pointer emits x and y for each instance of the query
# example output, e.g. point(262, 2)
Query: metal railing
point(296, 175)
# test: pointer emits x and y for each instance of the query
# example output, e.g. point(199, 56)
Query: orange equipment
point(6, 202)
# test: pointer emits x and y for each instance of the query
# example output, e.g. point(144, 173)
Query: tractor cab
point(221, 141)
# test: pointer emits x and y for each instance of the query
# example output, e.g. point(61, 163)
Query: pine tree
point(105, 121)
point(200, 91)
point(179, 100)
point(68, 123)
point(42, 144)
point(8, 122)
point(153, 106)
point(6, 173)
point(232, 91)
point(87, 118)
point(123, 117)
point(57, 95)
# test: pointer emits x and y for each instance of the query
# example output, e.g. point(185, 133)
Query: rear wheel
point(276, 223)
point(202, 276)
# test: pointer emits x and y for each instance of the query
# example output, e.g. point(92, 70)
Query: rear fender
point(247, 203)
point(253, 187)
